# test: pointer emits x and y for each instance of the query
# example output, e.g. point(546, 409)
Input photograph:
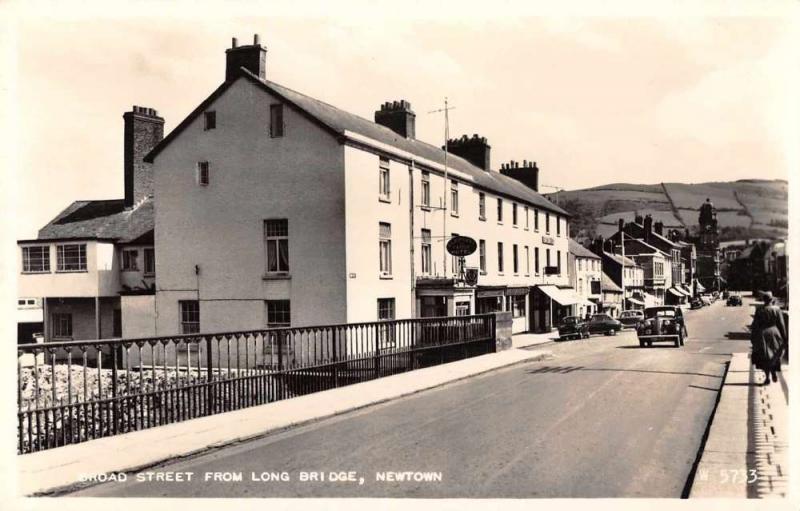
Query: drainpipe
point(411, 237)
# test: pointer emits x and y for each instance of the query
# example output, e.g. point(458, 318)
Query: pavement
point(601, 417)
point(747, 450)
point(64, 468)
point(526, 340)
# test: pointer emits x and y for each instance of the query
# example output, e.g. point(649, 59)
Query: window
point(149, 261)
point(190, 316)
point(527, 220)
point(482, 206)
point(426, 189)
point(580, 286)
point(536, 260)
point(514, 214)
point(386, 335)
point(499, 211)
point(515, 257)
point(536, 220)
point(558, 261)
point(499, 257)
point(547, 222)
point(210, 120)
point(276, 121)
point(276, 236)
point(62, 325)
point(558, 225)
point(426, 251)
point(279, 314)
point(71, 257)
point(482, 255)
point(384, 185)
point(547, 257)
point(454, 198)
point(36, 259)
point(527, 261)
point(462, 308)
point(385, 248)
point(203, 173)
point(129, 259)
point(517, 306)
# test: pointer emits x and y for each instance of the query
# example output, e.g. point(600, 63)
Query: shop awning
point(635, 301)
point(676, 292)
point(489, 291)
point(700, 287)
point(649, 300)
point(561, 296)
point(686, 290)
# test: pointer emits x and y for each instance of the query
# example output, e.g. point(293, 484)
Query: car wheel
point(613, 332)
point(677, 343)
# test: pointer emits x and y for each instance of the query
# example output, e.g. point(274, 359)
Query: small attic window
point(203, 177)
point(210, 119)
point(276, 120)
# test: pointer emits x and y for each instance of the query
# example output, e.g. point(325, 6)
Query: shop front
point(549, 305)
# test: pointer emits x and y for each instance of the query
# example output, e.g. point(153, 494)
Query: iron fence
point(71, 392)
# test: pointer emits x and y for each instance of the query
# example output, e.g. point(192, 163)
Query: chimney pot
point(253, 58)
point(256, 39)
point(234, 42)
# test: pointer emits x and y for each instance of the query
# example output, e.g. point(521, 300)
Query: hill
point(746, 208)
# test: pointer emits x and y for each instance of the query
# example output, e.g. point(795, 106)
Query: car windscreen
point(570, 320)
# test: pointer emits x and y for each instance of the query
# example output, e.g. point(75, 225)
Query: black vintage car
point(663, 323)
point(631, 318)
point(734, 300)
point(603, 324)
point(573, 327)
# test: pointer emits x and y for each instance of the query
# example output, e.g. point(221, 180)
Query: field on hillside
point(744, 208)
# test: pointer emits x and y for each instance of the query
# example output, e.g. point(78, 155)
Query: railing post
point(210, 377)
point(114, 409)
point(335, 357)
point(279, 339)
point(377, 350)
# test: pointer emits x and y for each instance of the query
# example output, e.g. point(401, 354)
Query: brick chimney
point(638, 219)
point(143, 130)
point(621, 224)
point(659, 227)
point(648, 228)
point(252, 57)
point(597, 246)
point(475, 150)
point(398, 117)
point(527, 174)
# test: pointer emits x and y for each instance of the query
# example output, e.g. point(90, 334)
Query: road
point(601, 418)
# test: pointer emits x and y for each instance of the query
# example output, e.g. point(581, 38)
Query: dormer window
point(210, 120)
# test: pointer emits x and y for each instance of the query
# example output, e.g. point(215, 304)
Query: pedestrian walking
point(768, 338)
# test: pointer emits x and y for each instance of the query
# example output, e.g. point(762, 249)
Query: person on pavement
point(768, 338)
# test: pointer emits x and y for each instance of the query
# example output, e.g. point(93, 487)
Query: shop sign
point(461, 246)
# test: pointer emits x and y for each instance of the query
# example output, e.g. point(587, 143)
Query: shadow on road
point(737, 336)
point(569, 369)
point(703, 388)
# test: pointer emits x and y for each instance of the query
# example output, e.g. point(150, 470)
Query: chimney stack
point(648, 228)
point(253, 58)
point(475, 150)
point(621, 223)
point(638, 219)
point(143, 130)
point(528, 174)
point(659, 227)
point(398, 117)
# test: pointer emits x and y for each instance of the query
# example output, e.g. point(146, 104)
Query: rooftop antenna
point(446, 111)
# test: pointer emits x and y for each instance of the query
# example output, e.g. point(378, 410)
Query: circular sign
point(461, 246)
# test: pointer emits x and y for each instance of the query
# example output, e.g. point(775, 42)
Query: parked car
point(631, 318)
point(603, 324)
point(734, 300)
point(696, 303)
point(573, 327)
point(663, 323)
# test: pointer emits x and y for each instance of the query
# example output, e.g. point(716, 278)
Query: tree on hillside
point(583, 224)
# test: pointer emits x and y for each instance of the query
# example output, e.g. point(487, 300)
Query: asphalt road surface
point(601, 418)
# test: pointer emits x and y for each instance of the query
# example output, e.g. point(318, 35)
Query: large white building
point(270, 208)
point(275, 208)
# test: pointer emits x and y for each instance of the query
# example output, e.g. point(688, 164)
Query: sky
point(593, 100)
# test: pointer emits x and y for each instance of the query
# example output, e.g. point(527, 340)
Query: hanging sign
point(461, 246)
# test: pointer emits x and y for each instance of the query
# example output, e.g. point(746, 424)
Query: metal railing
point(71, 392)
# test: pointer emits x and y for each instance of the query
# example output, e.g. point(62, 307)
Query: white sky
point(592, 100)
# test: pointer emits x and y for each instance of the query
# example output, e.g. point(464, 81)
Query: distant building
point(586, 270)
point(625, 273)
point(612, 297)
point(708, 250)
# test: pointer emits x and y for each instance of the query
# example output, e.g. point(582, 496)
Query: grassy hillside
point(745, 208)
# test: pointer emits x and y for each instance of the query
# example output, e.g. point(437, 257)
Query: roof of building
point(643, 247)
point(338, 122)
point(653, 234)
point(101, 219)
point(579, 250)
point(619, 259)
point(606, 284)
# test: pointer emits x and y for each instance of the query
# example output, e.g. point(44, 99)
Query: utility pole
point(445, 189)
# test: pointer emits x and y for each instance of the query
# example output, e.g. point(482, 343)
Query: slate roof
point(606, 284)
point(579, 250)
point(102, 220)
point(619, 259)
point(338, 121)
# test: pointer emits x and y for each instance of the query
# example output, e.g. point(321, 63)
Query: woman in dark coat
point(768, 335)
